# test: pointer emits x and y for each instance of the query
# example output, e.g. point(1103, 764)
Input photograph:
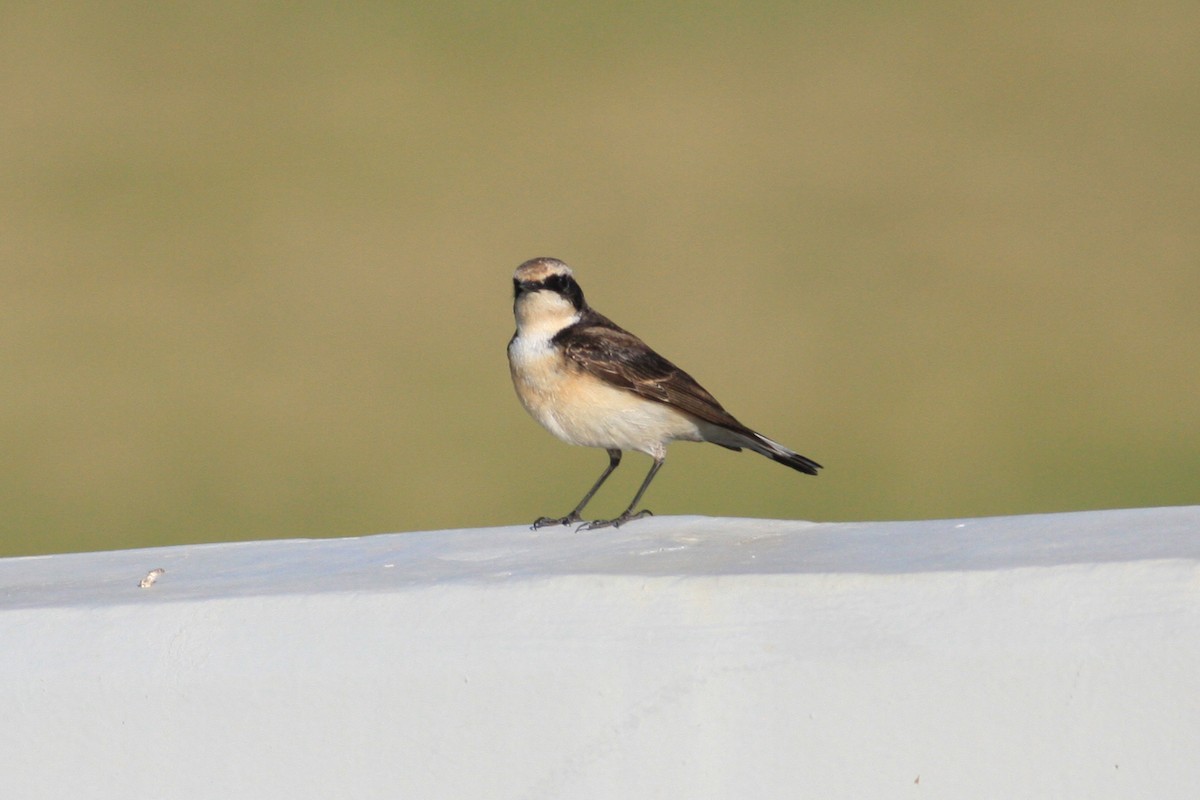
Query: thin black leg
point(614, 458)
point(628, 514)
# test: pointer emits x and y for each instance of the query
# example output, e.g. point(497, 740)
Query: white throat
point(540, 315)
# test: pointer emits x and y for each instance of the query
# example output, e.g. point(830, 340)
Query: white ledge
point(1047, 655)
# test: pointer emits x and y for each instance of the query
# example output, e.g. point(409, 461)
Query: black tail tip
point(798, 463)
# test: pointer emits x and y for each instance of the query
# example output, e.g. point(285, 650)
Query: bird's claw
point(546, 522)
point(614, 523)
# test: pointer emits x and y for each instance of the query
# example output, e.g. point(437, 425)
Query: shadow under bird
point(590, 382)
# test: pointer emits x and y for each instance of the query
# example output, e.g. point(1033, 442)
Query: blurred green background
point(255, 259)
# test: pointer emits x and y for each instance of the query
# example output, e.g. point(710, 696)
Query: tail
point(736, 440)
point(777, 452)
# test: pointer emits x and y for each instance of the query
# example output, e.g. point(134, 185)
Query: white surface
point(1044, 656)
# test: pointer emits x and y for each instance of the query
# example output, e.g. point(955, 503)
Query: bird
point(590, 382)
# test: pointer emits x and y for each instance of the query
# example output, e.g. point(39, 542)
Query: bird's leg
point(628, 514)
point(614, 458)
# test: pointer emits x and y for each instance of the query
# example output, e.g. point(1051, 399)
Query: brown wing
point(607, 351)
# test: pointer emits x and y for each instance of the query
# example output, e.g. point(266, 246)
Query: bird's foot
point(614, 523)
point(546, 522)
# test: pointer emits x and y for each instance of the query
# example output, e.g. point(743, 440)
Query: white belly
point(582, 409)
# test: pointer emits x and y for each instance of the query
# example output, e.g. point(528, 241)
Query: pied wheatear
point(593, 383)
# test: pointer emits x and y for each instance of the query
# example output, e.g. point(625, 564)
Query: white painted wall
point(1051, 656)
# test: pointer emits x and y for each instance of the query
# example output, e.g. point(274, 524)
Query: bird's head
point(545, 295)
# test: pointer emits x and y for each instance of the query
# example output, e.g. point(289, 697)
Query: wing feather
point(609, 352)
